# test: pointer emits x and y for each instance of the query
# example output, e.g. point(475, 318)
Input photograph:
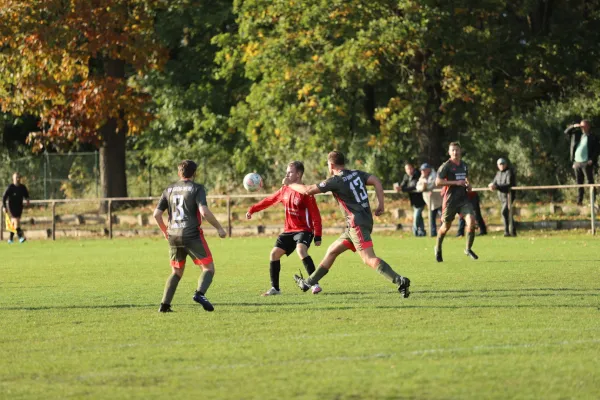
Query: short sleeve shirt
point(454, 195)
point(350, 191)
point(183, 200)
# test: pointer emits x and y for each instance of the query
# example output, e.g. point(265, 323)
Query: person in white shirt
point(426, 184)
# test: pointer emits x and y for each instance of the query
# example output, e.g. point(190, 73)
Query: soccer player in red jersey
point(302, 223)
point(349, 187)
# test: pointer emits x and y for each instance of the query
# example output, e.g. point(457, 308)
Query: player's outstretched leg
point(333, 251)
point(402, 282)
point(470, 237)
point(204, 282)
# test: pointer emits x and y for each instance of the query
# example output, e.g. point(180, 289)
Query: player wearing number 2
point(186, 204)
point(349, 189)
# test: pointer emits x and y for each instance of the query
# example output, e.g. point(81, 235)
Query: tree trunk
point(113, 179)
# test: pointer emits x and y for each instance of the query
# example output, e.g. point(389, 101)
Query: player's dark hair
point(456, 144)
point(187, 168)
point(298, 166)
point(336, 158)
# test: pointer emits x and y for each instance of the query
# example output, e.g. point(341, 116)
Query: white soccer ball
point(253, 182)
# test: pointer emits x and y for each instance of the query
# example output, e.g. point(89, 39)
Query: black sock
point(12, 236)
point(470, 239)
point(20, 232)
point(309, 265)
point(274, 269)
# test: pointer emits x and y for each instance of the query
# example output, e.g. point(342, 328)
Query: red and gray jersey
point(350, 190)
point(301, 211)
point(450, 171)
point(183, 200)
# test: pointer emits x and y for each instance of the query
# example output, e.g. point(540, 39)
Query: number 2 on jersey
point(177, 210)
point(361, 194)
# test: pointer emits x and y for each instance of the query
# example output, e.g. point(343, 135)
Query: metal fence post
point(511, 227)
point(110, 220)
point(592, 211)
point(53, 220)
point(229, 216)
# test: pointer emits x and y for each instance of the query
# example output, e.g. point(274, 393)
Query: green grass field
point(79, 320)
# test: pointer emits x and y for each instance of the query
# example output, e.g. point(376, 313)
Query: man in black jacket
point(584, 153)
point(503, 182)
point(409, 185)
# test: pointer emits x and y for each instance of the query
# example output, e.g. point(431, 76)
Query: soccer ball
point(253, 182)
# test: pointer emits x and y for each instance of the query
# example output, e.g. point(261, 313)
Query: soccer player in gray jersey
point(185, 202)
point(453, 175)
point(349, 189)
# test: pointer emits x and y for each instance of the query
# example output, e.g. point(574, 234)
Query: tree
point(75, 65)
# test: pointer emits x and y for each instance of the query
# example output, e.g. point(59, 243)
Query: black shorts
point(288, 241)
point(15, 211)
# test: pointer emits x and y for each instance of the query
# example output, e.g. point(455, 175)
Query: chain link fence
point(77, 176)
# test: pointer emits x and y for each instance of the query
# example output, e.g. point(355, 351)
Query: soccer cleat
point(9, 241)
point(21, 240)
point(471, 254)
point(403, 288)
point(301, 282)
point(203, 301)
point(316, 289)
point(164, 308)
point(438, 254)
point(271, 292)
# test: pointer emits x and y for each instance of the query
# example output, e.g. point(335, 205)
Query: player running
point(12, 200)
point(186, 204)
point(349, 189)
point(453, 175)
point(302, 223)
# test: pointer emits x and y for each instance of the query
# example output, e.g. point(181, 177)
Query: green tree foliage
point(393, 80)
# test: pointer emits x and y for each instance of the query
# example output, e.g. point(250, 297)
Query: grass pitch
point(79, 320)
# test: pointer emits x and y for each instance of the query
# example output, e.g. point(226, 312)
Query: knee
point(209, 268)
point(275, 255)
point(302, 252)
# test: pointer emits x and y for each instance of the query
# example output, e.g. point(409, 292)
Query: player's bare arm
point(374, 181)
point(158, 217)
point(208, 215)
point(304, 189)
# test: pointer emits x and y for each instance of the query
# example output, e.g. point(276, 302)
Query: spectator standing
point(503, 182)
point(425, 185)
point(409, 185)
point(584, 151)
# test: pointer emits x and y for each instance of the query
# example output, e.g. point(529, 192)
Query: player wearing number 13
point(349, 189)
point(186, 204)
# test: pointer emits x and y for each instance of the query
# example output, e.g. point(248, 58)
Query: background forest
point(250, 85)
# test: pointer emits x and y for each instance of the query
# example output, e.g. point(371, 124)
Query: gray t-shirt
point(350, 190)
point(183, 200)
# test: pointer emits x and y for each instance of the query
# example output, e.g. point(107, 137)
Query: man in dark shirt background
point(503, 182)
point(12, 201)
point(409, 185)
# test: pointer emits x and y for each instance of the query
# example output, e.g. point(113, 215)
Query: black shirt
point(14, 195)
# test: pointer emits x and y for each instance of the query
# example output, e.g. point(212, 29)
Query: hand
point(222, 233)
point(574, 165)
point(589, 162)
point(285, 181)
point(248, 215)
point(461, 183)
point(397, 187)
point(317, 241)
point(492, 186)
point(166, 235)
point(379, 210)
